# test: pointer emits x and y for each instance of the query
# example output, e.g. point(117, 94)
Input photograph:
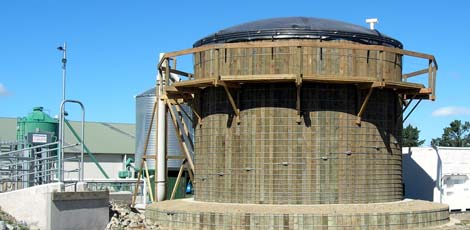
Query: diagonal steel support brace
point(413, 109)
point(407, 104)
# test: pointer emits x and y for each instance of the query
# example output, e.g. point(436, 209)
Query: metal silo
point(36, 121)
point(143, 107)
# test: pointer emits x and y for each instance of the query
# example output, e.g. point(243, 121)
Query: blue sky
point(113, 47)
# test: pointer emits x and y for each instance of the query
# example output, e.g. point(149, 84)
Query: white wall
point(455, 160)
point(455, 181)
point(420, 173)
point(441, 175)
point(31, 205)
point(111, 163)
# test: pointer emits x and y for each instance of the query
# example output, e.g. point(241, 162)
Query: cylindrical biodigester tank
point(269, 157)
point(297, 114)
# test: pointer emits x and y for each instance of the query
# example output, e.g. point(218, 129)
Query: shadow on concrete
point(418, 184)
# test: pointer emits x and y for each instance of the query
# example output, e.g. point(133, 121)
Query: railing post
point(60, 171)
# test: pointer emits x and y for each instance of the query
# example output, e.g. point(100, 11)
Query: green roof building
point(111, 143)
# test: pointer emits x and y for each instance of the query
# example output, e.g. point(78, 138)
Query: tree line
point(457, 134)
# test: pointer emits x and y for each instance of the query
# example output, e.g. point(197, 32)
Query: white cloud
point(450, 111)
point(3, 90)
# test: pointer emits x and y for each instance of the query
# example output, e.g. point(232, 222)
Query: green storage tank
point(171, 181)
point(36, 122)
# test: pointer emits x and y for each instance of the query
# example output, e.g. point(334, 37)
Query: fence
point(31, 166)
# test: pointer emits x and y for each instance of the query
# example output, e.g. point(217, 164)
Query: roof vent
point(372, 22)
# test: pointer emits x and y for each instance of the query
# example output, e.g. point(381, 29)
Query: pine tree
point(411, 137)
point(456, 135)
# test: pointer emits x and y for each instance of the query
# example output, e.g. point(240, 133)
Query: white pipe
point(175, 77)
point(144, 192)
point(124, 159)
point(161, 140)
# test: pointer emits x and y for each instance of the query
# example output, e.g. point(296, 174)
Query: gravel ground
point(8, 222)
point(459, 221)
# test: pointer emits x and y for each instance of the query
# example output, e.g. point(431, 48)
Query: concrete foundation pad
point(190, 214)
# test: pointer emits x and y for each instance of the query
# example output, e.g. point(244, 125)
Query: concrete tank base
point(190, 214)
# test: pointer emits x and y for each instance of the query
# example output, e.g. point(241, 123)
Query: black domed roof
point(298, 28)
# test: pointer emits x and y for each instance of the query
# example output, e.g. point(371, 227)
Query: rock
point(8, 222)
point(133, 225)
point(148, 222)
point(123, 217)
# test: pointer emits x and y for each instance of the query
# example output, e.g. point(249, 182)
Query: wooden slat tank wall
point(320, 62)
point(269, 158)
point(181, 214)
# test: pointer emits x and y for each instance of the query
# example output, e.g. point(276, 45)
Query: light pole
point(64, 67)
point(61, 114)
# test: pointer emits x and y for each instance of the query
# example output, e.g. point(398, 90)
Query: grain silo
point(144, 106)
point(144, 103)
point(300, 128)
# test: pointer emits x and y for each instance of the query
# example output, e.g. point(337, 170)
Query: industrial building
point(110, 147)
point(95, 164)
point(61, 189)
point(111, 144)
